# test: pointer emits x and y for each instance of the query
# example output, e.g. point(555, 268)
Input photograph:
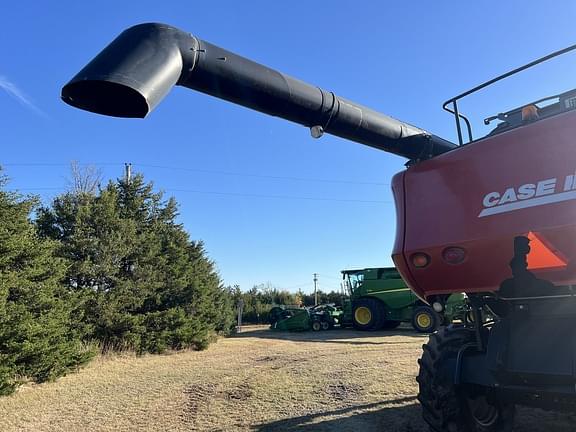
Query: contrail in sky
point(17, 94)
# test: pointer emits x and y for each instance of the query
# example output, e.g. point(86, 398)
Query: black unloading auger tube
point(132, 75)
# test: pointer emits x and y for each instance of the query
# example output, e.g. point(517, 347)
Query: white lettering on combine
point(529, 195)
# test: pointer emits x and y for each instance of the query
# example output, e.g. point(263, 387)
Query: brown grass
point(255, 381)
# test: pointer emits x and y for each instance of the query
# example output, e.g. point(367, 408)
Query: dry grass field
point(340, 380)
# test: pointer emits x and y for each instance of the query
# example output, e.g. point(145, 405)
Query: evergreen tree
point(37, 340)
point(144, 284)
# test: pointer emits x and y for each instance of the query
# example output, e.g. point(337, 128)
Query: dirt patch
point(197, 395)
point(344, 392)
point(241, 393)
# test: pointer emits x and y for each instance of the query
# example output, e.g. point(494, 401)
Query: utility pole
point(315, 290)
point(128, 170)
point(240, 306)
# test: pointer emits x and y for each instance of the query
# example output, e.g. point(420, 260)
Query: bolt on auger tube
point(132, 75)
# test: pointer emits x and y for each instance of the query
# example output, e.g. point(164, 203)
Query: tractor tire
point(368, 314)
point(425, 319)
point(451, 408)
point(391, 325)
point(316, 326)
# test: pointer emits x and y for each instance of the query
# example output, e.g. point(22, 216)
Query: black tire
point(446, 407)
point(324, 325)
point(316, 326)
point(425, 319)
point(391, 325)
point(368, 314)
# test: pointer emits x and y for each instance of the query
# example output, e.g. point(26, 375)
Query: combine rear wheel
point(450, 408)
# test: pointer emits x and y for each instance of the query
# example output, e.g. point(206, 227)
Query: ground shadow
point(348, 335)
point(389, 416)
point(398, 416)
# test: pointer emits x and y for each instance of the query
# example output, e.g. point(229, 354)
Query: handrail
point(454, 100)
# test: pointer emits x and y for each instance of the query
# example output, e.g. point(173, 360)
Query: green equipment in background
point(295, 318)
point(380, 299)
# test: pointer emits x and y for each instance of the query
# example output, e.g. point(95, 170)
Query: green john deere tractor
point(380, 299)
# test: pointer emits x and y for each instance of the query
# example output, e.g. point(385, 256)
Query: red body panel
point(479, 197)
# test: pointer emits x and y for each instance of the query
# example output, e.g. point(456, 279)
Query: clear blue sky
point(270, 203)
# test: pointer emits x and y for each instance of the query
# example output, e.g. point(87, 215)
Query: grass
point(255, 381)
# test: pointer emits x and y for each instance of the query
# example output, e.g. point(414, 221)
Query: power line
point(330, 277)
point(177, 168)
point(236, 194)
point(50, 164)
point(278, 196)
point(263, 175)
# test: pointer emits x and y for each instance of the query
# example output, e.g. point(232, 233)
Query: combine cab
point(493, 218)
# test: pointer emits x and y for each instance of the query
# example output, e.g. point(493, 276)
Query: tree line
point(99, 270)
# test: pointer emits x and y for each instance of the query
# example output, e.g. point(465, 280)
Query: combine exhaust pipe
point(134, 73)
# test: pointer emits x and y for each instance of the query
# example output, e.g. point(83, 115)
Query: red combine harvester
point(504, 202)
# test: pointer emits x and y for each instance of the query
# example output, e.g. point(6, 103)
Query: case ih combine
point(502, 206)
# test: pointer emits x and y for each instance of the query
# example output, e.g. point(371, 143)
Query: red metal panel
point(482, 195)
point(398, 255)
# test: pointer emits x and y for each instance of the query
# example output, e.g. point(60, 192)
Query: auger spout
point(134, 73)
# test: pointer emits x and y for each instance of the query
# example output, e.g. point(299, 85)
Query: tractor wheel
point(316, 326)
point(425, 319)
point(368, 314)
point(447, 407)
point(324, 325)
point(391, 325)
